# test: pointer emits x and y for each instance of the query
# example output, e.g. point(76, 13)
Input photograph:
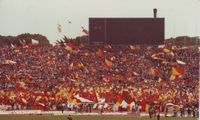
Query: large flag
point(178, 71)
point(85, 31)
point(59, 28)
point(108, 63)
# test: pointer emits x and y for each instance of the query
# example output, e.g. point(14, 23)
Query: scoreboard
point(124, 31)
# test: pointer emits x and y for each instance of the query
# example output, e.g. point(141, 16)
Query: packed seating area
point(110, 78)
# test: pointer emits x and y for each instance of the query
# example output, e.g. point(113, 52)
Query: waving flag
point(35, 42)
point(177, 71)
point(180, 62)
point(108, 63)
point(154, 72)
point(68, 47)
point(12, 45)
point(82, 99)
point(72, 48)
point(85, 31)
point(168, 51)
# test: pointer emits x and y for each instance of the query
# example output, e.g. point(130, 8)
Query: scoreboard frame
point(125, 31)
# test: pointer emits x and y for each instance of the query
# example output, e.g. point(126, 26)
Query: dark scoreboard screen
point(126, 31)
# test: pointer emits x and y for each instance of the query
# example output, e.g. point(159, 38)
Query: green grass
point(43, 117)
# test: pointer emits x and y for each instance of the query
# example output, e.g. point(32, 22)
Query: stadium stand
point(81, 78)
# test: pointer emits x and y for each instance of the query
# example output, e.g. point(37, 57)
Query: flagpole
point(69, 32)
point(174, 27)
point(57, 31)
point(80, 32)
point(196, 27)
point(69, 29)
point(105, 31)
point(185, 30)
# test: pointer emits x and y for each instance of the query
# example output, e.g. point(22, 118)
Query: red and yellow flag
point(154, 72)
point(178, 71)
point(108, 63)
point(174, 77)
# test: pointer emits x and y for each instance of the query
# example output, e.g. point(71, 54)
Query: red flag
point(72, 48)
point(108, 63)
point(177, 71)
point(154, 72)
point(69, 46)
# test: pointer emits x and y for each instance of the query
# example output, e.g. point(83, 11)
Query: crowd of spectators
point(126, 78)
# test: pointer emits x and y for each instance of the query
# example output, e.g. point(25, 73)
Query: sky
point(43, 16)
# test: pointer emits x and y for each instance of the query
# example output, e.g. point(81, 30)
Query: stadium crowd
point(110, 78)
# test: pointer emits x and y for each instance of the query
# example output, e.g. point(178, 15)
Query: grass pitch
point(45, 117)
